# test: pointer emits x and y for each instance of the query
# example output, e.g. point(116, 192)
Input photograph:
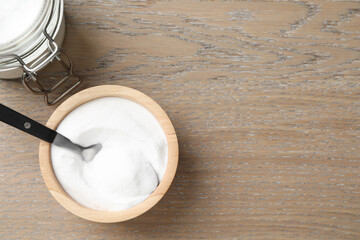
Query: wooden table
point(265, 99)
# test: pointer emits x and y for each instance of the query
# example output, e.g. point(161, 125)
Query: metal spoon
point(23, 123)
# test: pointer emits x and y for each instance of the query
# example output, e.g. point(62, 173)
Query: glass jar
point(32, 32)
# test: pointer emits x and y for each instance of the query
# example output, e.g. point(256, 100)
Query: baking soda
point(130, 164)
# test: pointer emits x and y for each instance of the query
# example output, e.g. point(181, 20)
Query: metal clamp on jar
point(31, 35)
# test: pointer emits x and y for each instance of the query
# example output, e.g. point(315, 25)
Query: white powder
point(130, 164)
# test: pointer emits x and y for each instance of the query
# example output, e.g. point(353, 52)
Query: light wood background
point(265, 99)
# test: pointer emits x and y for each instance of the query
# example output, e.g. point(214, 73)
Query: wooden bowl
point(109, 216)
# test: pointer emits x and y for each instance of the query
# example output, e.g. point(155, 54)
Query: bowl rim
point(75, 101)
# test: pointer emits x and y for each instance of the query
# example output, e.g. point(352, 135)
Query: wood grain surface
point(265, 100)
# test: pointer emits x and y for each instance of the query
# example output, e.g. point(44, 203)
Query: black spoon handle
point(23, 123)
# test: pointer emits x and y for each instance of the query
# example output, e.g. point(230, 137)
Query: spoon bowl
point(87, 153)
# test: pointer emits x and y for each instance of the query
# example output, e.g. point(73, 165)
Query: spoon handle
point(23, 123)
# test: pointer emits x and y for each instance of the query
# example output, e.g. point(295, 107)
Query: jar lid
point(32, 32)
point(22, 25)
point(19, 19)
